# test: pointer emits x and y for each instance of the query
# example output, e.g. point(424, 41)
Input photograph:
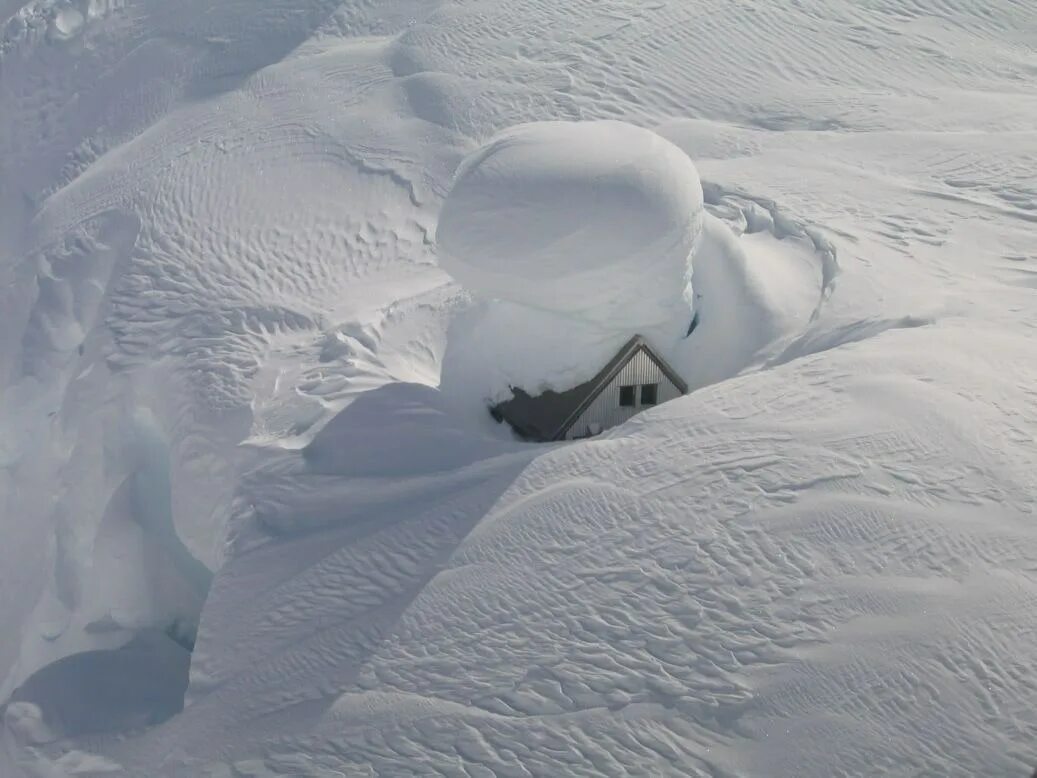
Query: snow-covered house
point(635, 379)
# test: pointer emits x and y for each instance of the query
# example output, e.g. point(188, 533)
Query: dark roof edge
point(611, 370)
point(668, 371)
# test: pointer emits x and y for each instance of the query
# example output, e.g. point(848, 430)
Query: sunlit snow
point(263, 264)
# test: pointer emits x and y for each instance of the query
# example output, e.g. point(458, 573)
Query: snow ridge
point(222, 331)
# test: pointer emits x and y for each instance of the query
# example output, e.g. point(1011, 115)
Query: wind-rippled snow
point(218, 218)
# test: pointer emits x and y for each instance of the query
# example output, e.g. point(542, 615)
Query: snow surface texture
point(575, 235)
point(572, 236)
point(590, 219)
point(217, 274)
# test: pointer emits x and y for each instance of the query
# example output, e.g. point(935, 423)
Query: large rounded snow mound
point(589, 219)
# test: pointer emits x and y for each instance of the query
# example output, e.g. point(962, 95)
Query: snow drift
point(222, 320)
point(593, 220)
point(573, 236)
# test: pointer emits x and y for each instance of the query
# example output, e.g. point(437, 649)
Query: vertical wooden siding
point(606, 410)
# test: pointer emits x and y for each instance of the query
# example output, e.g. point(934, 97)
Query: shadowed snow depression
point(267, 265)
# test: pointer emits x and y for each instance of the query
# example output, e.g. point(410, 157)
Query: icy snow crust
point(222, 327)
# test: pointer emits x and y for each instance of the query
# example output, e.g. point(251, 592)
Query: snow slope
point(570, 236)
point(222, 326)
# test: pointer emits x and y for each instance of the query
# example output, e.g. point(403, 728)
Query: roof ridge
point(611, 370)
point(550, 415)
point(600, 379)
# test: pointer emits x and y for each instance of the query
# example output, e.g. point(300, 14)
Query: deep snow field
point(224, 326)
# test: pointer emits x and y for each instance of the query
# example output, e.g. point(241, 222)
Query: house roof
point(549, 415)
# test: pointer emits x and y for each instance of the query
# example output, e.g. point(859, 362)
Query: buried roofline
point(611, 370)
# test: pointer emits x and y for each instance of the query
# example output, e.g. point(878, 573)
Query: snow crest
point(595, 220)
point(222, 324)
point(572, 236)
